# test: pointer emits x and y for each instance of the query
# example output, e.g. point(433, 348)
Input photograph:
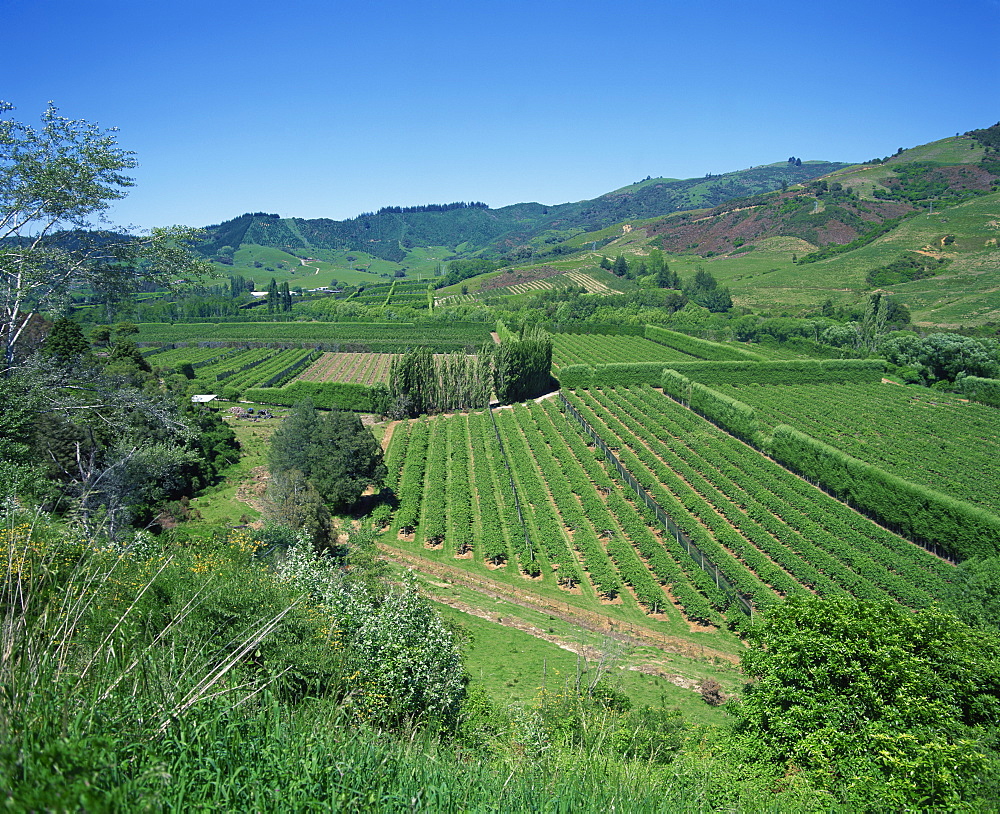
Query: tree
point(887, 707)
point(272, 296)
point(53, 180)
point(338, 456)
point(65, 341)
point(620, 267)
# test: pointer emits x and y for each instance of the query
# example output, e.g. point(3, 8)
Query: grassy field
point(325, 266)
point(514, 666)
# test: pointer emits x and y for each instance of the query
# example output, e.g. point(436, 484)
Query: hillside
point(393, 232)
point(921, 224)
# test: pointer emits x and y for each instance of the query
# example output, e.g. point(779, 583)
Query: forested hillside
point(388, 233)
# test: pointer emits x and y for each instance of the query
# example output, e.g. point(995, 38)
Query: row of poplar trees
point(516, 369)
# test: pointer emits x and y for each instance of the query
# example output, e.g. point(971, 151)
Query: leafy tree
point(53, 179)
point(338, 456)
point(65, 341)
point(703, 289)
point(949, 356)
point(620, 267)
point(291, 500)
point(887, 707)
point(101, 335)
point(345, 459)
point(289, 443)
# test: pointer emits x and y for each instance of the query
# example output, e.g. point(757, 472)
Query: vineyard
point(359, 368)
point(384, 337)
point(769, 532)
point(595, 349)
point(935, 439)
point(233, 369)
point(560, 516)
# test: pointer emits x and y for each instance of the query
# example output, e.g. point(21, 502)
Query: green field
point(935, 439)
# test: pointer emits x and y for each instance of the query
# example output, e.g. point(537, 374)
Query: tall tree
point(272, 296)
point(53, 180)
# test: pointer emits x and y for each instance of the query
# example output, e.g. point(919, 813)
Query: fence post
point(712, 569)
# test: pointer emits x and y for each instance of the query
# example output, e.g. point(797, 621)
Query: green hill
point(393, 233)
point(784, 237)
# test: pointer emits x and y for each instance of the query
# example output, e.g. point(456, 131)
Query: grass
point(514, 665)
point(220, 505)
point(325, 265)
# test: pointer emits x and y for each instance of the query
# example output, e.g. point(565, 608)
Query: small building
point(203, 399)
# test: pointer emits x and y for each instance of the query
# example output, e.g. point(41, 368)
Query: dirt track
point(589, 620)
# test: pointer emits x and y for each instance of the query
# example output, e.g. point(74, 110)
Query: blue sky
point(328, 109)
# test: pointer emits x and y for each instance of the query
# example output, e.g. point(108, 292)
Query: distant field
point(360, 368)
point(935, 439)
point(370, 337)
point(572, 349)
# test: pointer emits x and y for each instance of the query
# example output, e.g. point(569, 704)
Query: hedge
point(805, 371)
point(325, 395)
point(734, 416)
point(614, 374)
point(985, 391)
point(810, 371)
point(699, 348)
point(676, 386)
point(960, 528)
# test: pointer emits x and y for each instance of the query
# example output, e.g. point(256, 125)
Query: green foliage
point(521, 366)
point(65, 341)
point(442, 336)
point(732, 415)
point(882, 706)
point(907, 268)
point(336, 454)
point(985, 391)
point(704, 290)
point(958, 527)
point(698, 348)
point(868, 237)
point(324, 395)
point(420, 383)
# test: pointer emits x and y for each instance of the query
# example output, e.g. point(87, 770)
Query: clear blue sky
point(321, 108)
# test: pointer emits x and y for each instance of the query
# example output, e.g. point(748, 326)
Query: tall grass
point(195, 680)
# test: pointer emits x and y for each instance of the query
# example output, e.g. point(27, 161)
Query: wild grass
point(192, 678)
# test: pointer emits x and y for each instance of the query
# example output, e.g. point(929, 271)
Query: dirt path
point(589, 652)
point(589, 620)
point(389, 429)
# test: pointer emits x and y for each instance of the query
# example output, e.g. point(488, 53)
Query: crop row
point(666, 560)
point(362, 368)
point(845, 559)
point(934, 439)
point(380, 337)
point(572, 520)
point(568, 349)
point(771, 521)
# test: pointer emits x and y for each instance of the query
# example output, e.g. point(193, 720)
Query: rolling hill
point(784, 237)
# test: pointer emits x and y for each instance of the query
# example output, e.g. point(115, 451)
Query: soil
point(252, 491)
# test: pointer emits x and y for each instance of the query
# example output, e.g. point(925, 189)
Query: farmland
point(570, 349)
point(360, 368)
point(559, 518)
point(386, 337)
point(935, 439)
